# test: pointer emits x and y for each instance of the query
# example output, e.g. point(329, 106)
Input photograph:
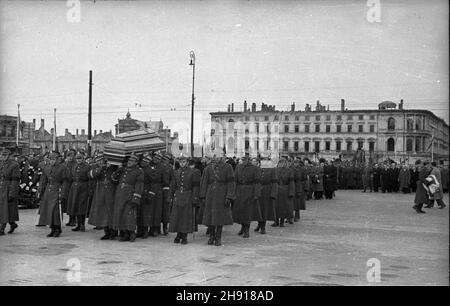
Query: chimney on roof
point(232, 107)
point(245, 105)
point(400, 105)
point(51, 131)
point(328, 107)
point(42, 123)
point(95, 132)
point(34, 123)
point(293, 107)
point(253, 107)
point(66, 132)
point(82, 132)
point(77, 132)
point(342, 105)
point(101, 131)
point(228, 108)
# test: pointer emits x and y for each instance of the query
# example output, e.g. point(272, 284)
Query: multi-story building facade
point(387, 132)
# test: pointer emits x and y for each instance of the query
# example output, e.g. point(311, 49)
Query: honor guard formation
point(155, 194)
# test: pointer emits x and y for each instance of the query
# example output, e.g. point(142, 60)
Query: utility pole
point(18, 126)
point(192, 63)
point(54, 129)
point(90, 114)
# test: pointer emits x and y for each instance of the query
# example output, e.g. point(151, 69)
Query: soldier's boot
point(177, 238)
point(246, 231)
point(78, 227)
point(145, 232)
point(184, 238)
point(418, 208)
point(82, 222)
point(282, 222)
point(165, 229)
point(258, 227)
point(241, 232)
point(113, 234)
point(218, 240)
point(156, 231)
point(140, 232)
point(107, 235)
point(124, 236)
point(58, 231)
point(290, 221)
point(132, 235)
point(71, 221)
point(12, 227)
point(212, 235)
point(52, 232)
point(208, 229)
point(263, 227)
point(2, 229)
point(297, 215)
point(275, 223)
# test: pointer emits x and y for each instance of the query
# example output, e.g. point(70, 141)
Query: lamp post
point(192, 63)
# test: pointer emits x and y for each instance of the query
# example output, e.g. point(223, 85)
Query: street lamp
point(192, 63)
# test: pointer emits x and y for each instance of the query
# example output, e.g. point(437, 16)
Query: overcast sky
point(276, 52)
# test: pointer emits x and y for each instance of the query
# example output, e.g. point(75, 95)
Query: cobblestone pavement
point(331, 245)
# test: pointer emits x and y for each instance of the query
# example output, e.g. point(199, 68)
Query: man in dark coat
point(218, 191)
point(330, 178)
point(70, 163)
point(385, 179)
point(300, 178)
point(9, 192)
point(376, 177)
point(421, 197)
point(286, 191)
point(102, 209)
point(184, 194)
point(245, 207)
point(414, 177)
point(77, 203)
point(169, 176)
point(127, 198)
point(367, 177)
point(404, 178)
point(53, 192)
point(144, 210)
point(269, 193)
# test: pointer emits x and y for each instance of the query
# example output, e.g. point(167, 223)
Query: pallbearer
point(9, 192)
point(144, 212)
point(128, 196)
point(53, 190)
point(184, 194)
point(101, 214)
point(168, 164)
point(269, 193)
point(218, 190)
point(159, 182)
point(77, 202)
point(245, 207)
point(286, 192)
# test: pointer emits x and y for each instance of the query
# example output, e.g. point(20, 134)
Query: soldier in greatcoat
point(218, 190)
point(144, 210)
point(245, 207)
point(300, 179)
point(77, 202)
point(70, 163)
point(9, 192)
point(330, 179)
point(184, 195)
point(53, 192)
point(130, 186)
point(169, 176)
point(421, 196)
point(286, 192)
point(404, 178)
point(317, 181)
point(101, 214)
point(376, 177)
point(367, 178)
point(269, 193)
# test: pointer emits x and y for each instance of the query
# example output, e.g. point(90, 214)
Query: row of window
point(349, 146)
point(317, 117)
point(328, 128)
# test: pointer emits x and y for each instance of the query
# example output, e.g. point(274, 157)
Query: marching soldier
point(127, 198)
point(9, 192)
point(184, 194)
point(269, 194)
point(245, 207)
point(77, 203)
point(158, 181)
point(101, 214)
point(70, 163)
point(286, 192)
point(53, 190)
point(300, 178)
point(218, 190)
point(144, 210)
point(421, 197)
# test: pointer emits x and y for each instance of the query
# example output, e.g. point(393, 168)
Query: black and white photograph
point(223, 148)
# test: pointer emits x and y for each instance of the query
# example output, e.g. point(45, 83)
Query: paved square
point(331, 245)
